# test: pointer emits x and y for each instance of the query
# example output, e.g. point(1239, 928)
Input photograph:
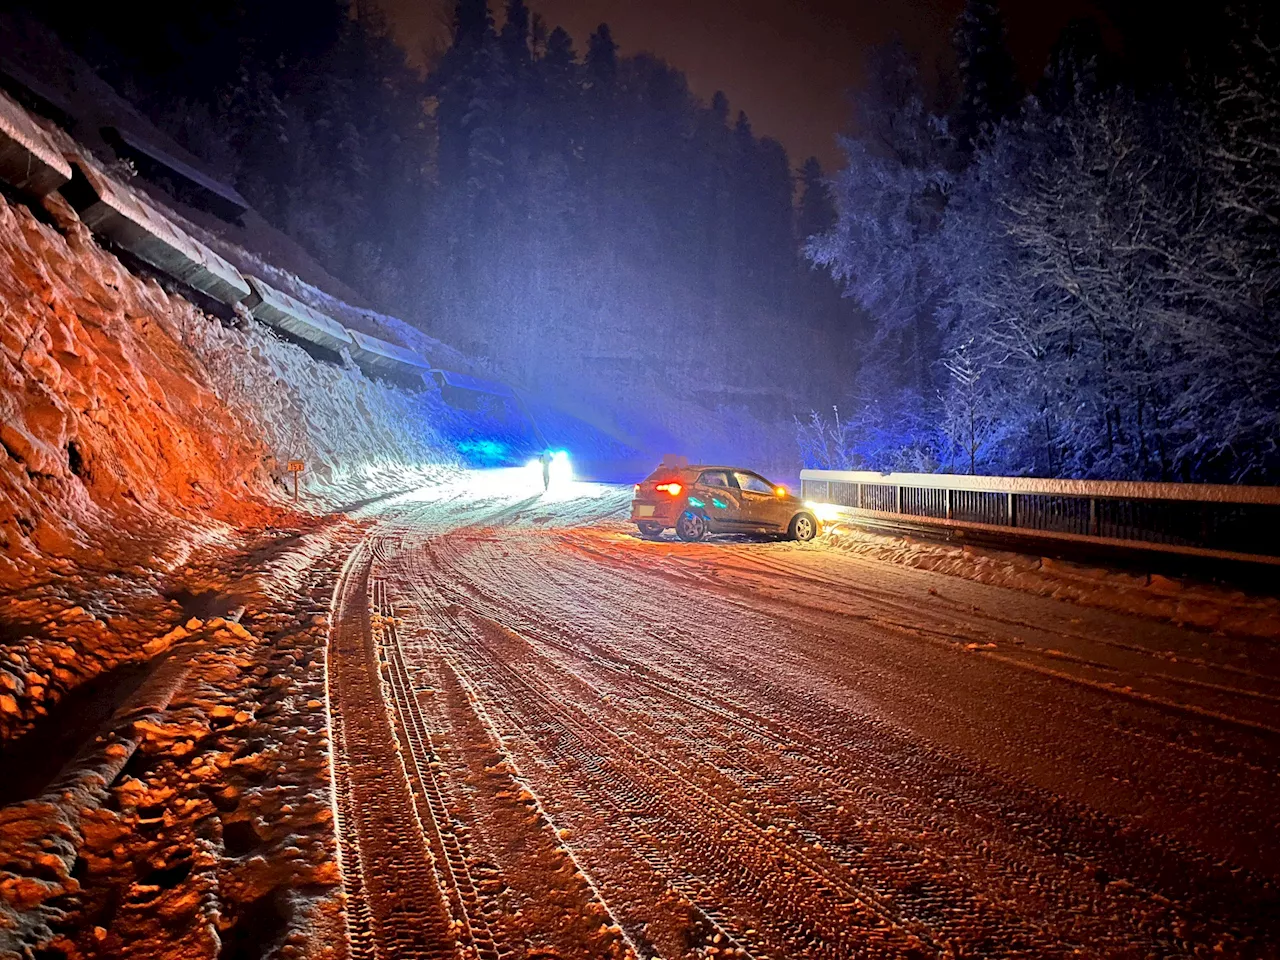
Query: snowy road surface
point(554, 739)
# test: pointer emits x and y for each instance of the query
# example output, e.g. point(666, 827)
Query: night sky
point(790, 65)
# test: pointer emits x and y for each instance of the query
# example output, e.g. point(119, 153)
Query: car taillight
point(671, 488)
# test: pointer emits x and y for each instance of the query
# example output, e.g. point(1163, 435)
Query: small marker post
point(295, 467)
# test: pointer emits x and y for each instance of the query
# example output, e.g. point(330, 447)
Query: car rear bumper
point(649, 512)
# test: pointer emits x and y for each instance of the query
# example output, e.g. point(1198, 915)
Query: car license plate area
point(644, 510)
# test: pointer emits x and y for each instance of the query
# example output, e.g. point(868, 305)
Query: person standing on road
point(545, 459)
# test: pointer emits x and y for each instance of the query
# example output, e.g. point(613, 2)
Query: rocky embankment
point(162, 606)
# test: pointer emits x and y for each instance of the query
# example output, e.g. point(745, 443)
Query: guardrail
point(112, 210)
point(28, 159)
point(32, 163)
point(37, 159)
point(294, 318)
point(1210, 520)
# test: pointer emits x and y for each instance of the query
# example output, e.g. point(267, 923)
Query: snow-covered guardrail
point(28, 159)
point(277, 309)
point(1215, 520)
point(33, 163)
point(116, 213)
point(374, 355)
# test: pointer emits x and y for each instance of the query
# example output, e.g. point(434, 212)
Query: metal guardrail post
point(1093, 516)
point(859, 496)
point(948, 493)
point(1012, 512)
point(897, 499)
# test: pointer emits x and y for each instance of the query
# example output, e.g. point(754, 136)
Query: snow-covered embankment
point(134, 429)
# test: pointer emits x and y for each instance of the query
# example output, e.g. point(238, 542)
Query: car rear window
point(665, 473)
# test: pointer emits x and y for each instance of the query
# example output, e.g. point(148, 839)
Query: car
point(703, 499)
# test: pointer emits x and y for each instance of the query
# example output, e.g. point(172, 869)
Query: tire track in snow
point(405, 861)
point(469, 925)
point(1044, 829)
point(395, 909)
point(700, 821)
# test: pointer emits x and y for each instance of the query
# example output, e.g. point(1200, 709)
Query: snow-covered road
point(554, 739)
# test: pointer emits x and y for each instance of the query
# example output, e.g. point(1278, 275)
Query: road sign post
point(295, 467)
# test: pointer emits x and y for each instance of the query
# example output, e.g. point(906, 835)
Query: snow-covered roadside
point(136, 430)
point(144, 485)
point(357, 437)
point(200, 814)
point(1199, 605)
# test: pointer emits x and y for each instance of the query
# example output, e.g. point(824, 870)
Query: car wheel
point(650, 531)
point(691, 527)
point(803, 528)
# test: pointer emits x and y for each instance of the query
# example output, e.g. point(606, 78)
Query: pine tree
point(514, 38)
point(538, 37)
point(560, 49)
point(817, 212)
point(558, 109)
point(602, 55)
point(989, 84)
point(472, 24)
point(720, 107)
point(1077, 68)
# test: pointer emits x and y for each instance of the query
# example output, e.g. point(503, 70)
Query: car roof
point(702, 467)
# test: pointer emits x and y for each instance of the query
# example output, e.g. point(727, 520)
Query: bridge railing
point(1215, 520)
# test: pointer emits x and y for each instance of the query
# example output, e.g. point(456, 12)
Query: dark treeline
point(577, 216)
point(1079, 280)
point(1073, 280)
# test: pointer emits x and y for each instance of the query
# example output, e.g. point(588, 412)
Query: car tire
point(691, 527)
point(650, 531)
point(803, 527)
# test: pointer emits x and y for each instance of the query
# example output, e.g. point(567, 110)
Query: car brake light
point(671, 488)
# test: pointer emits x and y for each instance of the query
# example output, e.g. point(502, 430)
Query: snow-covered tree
point(1093, 280)
point(989, 88)
point(890, 199)
point(975, 417)
point(1098, 270)
point(816, 213)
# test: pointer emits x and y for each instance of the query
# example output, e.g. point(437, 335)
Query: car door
point(720, 498)
point(760, 507)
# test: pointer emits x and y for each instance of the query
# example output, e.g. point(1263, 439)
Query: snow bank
point(1204, 606)
point(357, 437)
point(135, 429)
point(105, 415)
